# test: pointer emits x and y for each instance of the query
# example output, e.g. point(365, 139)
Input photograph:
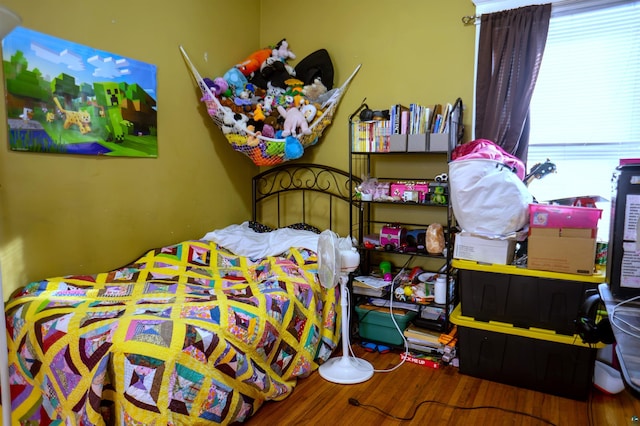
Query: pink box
point(393, 235)
point(397, 189)
point(627, 161)
point(555, 216)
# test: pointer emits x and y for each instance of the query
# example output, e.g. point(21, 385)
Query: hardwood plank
point(316, 401)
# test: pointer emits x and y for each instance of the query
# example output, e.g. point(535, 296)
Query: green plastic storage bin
point(379, 327)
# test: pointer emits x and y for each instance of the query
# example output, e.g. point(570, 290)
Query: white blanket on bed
point(244, 241)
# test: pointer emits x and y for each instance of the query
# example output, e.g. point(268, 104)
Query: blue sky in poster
point(53, 56)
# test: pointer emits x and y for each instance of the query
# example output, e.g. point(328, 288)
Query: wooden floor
point(454, 396)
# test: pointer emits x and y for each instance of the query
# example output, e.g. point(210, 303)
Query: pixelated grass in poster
point(66, 98)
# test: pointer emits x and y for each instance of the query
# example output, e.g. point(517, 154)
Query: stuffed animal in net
point(244, 103)
point(282, 51)
point(294, 121)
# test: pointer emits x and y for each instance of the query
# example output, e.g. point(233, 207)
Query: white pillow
point(244, 241)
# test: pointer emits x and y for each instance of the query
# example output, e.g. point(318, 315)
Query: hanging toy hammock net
point(263, 150)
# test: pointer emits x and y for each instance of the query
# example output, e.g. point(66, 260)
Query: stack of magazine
point(423, 340)
point(368, 285)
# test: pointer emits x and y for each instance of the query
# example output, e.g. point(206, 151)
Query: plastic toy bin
point(376, 324)
point(523, 297)
point(555, 216)
point(540, 360)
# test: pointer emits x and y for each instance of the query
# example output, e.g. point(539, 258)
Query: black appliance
point(623, 256)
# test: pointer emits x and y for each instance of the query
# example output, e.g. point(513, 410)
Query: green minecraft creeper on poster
point(109, 95)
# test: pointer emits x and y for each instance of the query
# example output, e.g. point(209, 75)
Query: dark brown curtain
point(509, 55)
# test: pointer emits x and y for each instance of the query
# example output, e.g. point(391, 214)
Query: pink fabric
point(486, 149)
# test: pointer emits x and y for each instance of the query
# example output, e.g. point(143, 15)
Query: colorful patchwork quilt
point(189, 334)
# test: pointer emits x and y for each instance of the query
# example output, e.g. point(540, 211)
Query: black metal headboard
point(313, 194)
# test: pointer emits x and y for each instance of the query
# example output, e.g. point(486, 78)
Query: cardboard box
point(483, 249)
point(568, 250)
point(417, 143)
point(438, 142)
point(398, 143)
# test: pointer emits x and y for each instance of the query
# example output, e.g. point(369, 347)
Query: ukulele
point(538, 171)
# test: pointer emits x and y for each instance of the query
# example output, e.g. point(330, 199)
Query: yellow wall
point(63, 214)
point(410, 51)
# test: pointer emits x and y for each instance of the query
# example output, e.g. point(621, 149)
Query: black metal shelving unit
point(366, 220)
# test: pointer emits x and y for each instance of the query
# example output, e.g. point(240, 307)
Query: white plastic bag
point(487, 197)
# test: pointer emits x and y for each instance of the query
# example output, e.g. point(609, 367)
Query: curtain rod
point(563, 7)
point(471, 19)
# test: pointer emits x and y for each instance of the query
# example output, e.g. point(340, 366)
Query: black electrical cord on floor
point(355, 402)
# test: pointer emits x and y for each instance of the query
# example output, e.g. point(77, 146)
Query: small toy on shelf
point(438, 193)
point(385, 268)
point(414, 286)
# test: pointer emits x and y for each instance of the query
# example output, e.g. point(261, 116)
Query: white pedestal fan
point(336, 259)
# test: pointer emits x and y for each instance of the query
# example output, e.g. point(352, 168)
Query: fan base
point(346, 370)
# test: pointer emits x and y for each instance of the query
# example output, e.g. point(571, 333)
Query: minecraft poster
point(66, 98)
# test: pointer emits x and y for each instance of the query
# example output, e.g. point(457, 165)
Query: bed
point(198, 332)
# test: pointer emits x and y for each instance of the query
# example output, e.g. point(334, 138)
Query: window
point(585, 110)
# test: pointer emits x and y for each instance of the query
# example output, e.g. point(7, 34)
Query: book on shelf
point(436, 117)
point(385, 309)
point(425, 361)
point(370, 286)
point(375, 135)
point(368, 291)
point(370, 136)
point(422, 336)
point(425, 348)
point(371, 281)
point(419, 119)
point(399, 117)
point(446, 111)
point(385, 303)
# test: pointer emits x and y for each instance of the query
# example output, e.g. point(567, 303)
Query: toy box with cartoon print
point(397, 191)
point(555, 216)
point(393, 236)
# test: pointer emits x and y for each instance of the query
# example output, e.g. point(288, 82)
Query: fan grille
point(329, 264)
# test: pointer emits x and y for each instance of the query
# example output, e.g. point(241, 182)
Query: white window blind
point(585, 110)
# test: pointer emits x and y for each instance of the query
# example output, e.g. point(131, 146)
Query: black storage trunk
point(554, 364)
point(521, 300)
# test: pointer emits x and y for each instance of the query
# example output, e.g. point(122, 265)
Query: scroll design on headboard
point(302, 177)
